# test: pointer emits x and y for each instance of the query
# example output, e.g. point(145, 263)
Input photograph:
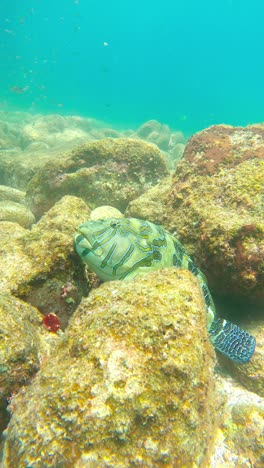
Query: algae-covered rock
point(239, 438)
point(216, 206)
point(11, 133)
point(40, 267)
point(19, 346)
point(151, 204)
point(132, 384)
point(18, 167)
point(172, 143)
point(9, 230)
point(56, 130)
point(155, 132)
point(105, 211)
point(109, 171)
point(17, 213)
point(11, 194)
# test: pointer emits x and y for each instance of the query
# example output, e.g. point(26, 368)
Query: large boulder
point(130, 385)
point(216, 207)
point(109, 171)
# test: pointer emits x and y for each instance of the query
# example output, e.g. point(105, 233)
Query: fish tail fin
point(230, 340)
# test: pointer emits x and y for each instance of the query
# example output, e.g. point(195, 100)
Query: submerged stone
point(109, 171)
point(39, 266)
point(239, 436)
point(131, 385)
point(216, 206)
point(16, 213)
point(11, 194)
point(19, 347)
point(151, 204)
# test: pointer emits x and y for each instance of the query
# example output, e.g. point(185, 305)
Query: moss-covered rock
point(19, 347)
point(10, 231)
point(17, 213)
point(155, 132)
point(27, 142)
point(105, 211)
point(131, 385)
point(239, 438)
point(109, 171)
point(216, 206)
point(18, 167)
point(11, 194)
point(151, 204)
point(40, 266)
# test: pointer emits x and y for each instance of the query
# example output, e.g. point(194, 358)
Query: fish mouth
point(84, 238)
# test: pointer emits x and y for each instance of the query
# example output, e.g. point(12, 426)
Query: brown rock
point(216, 206)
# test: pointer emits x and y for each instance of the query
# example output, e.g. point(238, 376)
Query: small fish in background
point(9, 31)
point(18, 89)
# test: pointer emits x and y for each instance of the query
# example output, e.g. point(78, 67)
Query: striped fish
point(123, 248)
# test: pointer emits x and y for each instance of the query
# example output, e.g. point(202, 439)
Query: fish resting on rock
point(123, 248)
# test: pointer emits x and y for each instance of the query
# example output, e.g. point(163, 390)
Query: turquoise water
point(189, 64)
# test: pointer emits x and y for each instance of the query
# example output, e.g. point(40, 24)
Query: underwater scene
point(131, 234)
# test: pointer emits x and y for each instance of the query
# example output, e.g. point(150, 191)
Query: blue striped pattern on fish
point(124, 248)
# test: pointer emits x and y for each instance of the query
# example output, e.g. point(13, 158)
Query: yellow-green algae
point(10, 230)
point(35, 266)
point(151, 204)
point(19, 346)
point(239, 438)
point(16, 212)
point(12, 194)
point(131, 385)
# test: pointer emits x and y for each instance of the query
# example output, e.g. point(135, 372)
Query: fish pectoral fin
point(230, 340)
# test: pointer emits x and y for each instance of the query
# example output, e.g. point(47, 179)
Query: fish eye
point(114, 224)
